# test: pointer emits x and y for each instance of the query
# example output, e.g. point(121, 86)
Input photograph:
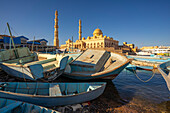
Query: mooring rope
point(141, 79)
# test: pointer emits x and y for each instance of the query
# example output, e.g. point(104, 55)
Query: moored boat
point(164, 69)
point(96, 64)
point(51, 94)
point(12, 106)
point(22, 63)
point(147, 68)
point(131, 67)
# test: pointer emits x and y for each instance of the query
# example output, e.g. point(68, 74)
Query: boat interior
point(96, 61)
point(49, 89)
point(23, 56)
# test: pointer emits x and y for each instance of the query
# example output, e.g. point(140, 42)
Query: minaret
point(80, 30)
point(56, 41)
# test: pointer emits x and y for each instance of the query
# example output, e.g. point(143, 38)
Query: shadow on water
point(109, 100)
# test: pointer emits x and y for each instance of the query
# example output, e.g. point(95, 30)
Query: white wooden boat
point(51, 94)
point(96, 64)
point(24, 64)
point(12, 106)
point(164, 69)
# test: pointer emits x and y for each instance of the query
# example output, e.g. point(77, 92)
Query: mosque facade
point(97, 41)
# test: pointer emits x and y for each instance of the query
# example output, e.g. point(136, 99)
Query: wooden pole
point(72, 43)
point(33, 44)
point(16, 55)
point(11, 36)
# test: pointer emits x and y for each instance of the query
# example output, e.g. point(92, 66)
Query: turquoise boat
point(22, 63)
point(96, 64)
point(12, 106)
point(147, 68)
point(131, 67)
point(51, 94)
point(164, 69)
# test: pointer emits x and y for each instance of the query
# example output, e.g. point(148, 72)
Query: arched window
point(98, 45)
point(94, 45)
point(102, 45)
point(87, 45)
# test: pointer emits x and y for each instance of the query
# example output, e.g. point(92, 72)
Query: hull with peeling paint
point(51, 94)
point(164, 69)
point(96, 64)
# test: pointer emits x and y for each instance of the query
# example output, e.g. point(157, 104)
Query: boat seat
point(41, 62)
point(50, 64)
point(54, 90)
point(24, 59)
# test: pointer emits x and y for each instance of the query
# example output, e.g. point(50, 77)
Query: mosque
point(97, 41)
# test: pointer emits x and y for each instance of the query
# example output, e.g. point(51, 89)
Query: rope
point(5, 30)
point(14, 31)
point(141, 79)
point(24, 77)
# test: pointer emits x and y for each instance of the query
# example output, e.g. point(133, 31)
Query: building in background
point(98, 41)
point(22, 41)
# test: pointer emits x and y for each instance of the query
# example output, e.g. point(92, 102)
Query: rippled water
point(129, 86)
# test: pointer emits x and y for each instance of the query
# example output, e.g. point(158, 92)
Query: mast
point(15, 51)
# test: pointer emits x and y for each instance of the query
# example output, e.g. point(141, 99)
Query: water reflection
point(108, 101)
point(154, 90)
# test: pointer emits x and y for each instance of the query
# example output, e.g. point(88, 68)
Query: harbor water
point(128, 94)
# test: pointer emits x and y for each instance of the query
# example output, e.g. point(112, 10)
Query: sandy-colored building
point(148, 47)
point(98, 40)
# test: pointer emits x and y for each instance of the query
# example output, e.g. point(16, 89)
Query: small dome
point(83, 38)
point(97, 32)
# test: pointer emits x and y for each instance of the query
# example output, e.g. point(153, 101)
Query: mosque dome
point(97, 32)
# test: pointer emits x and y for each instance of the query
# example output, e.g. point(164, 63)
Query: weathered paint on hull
point(50, 101)
point(165, 71)
point(110, 75)
point(147, 68)
point(12, 106)
point(18, 72)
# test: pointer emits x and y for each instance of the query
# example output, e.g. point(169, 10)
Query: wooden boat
point(12, 106)
point(51, 94)
point(96, 64)
point(164, 69)
point(147, 68)
point(24, 64)
point(131, 67)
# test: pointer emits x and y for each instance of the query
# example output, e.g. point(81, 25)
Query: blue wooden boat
point(96, 64)
point(131, 67)
point(147, 68)
point(24, 64)
point(12, 106)
point(51, 94)
point(164, 69)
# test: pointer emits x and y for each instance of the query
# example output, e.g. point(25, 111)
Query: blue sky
point(142, 22)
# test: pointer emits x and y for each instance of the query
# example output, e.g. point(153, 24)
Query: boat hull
point(12, 106)
point(107, 75)
point(164, 69)
point(50, 101)
point(18, 72)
